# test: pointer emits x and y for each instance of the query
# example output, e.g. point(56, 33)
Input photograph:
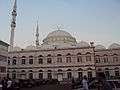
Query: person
point(4, 83)
point(85, 83)
point(9, 84)
point(103, 84)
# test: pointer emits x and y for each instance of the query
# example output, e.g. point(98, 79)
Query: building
point(60, 56)
point(3, 58)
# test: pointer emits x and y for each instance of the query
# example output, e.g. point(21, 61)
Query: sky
point(86, 20)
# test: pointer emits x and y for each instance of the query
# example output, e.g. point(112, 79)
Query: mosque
point(61, 57)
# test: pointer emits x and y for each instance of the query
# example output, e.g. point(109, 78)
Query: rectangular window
point(8, 62)
point(68, 59)
point(88, 58)
point(23, 61)
point(59, 60)
point(115, 59)
point(79, 59)
point(40, 61)
point(30, 61)
point(14, 62)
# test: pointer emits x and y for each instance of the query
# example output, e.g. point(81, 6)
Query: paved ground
point(51, 87)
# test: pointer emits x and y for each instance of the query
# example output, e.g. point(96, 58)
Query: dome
point(82, 44)
point(114, 46)
point(59, 37)
point(59, 33)
point(16, 48)
point(31, 47)
point(99, 47)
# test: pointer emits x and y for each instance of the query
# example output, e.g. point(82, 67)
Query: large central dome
point(59, 33)
point(59, 37)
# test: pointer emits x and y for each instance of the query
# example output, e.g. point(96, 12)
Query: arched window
point(97, 59)
point(14, 74)
point(49, 59)
point(105, 58)
point(14, 60)
point(68, 58)
point(115, 58)
point(40, 74)
point(117, 73)
point(88, 56)
point(89, 74)
point(30, 74)
point(9, 61)
point(79, 57)
point(80, 73)
point(40, 59)
point(59, 58)
point(49, 74)
point(69, 74)
point(23, 60)
point(30, 59)
point(107, 73)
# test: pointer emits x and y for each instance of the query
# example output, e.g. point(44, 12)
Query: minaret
point(37, 35)
point(13, 25)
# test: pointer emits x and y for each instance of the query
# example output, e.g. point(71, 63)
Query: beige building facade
point(3, 58)
point(61, 57)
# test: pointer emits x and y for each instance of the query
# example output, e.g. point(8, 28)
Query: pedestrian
point(9, 84)
point(85, 83)
point(4, 83)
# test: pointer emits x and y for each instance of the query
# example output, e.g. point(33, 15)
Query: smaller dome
point(31, 47)
point(114, 46)
point(16, 48)
point(99, 47)
point(82, 44)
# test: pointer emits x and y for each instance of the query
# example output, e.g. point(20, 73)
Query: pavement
point(51, 87)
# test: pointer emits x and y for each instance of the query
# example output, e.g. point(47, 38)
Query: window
point(40, 61)
point(23, 61)
point(13, 74)
point(8, 62)
point(69, 75)
point(49, 60)
point(30, 74)
point(105, 58)
point(107, 73)
point(115, 58)
point(117, 73)
point(80, 74)
point(79, 59)
point(3, 69)
point(40, 75)
point(97, 59)
point(49, 74)
point(59, 59)
point(88, 56)
point(89, 74)
point(14, 62)
point(68, 59)
point(30, 59)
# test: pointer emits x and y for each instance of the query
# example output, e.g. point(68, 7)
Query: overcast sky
point(86, 20)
